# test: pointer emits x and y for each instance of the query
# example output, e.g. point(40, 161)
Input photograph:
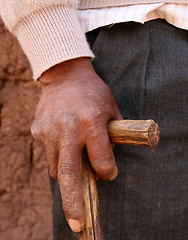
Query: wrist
point(66, 70)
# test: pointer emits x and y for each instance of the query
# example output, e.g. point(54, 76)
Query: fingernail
point(75, 225)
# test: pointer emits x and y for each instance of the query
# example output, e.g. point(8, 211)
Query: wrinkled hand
point(73, 112)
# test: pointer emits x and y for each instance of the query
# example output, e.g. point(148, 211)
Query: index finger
point(70, 183)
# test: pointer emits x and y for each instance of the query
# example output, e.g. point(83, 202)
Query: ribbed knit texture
point(49, 31)
point(47, 40)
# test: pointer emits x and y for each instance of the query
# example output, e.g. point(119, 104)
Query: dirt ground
point(25, 200)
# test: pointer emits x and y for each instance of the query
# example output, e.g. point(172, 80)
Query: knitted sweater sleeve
point(48, 31)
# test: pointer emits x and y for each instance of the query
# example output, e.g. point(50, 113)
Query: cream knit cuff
point(51, 36)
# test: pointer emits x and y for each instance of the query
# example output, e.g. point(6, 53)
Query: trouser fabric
point(146, 67)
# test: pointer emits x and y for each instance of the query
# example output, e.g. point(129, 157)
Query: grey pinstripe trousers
point(146, 67)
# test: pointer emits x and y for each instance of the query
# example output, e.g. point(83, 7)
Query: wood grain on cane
point(133, 132)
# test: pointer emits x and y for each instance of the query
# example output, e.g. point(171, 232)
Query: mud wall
point(25, 200)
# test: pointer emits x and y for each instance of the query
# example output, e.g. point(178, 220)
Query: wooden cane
point(132, 132)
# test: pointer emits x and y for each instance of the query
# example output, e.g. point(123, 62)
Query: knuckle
point(67, 177)
point(69, 192)
point(67, 181)
point(69, 202)
point(40, 129)
point(67, 120)
point(92, 115)
point(34, 130)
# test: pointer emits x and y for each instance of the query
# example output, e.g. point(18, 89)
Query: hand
point(73, 112)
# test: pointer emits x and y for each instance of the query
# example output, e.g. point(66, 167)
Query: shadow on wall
point(25, 199)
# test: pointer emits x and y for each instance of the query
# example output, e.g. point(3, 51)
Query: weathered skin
point(73, 112)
